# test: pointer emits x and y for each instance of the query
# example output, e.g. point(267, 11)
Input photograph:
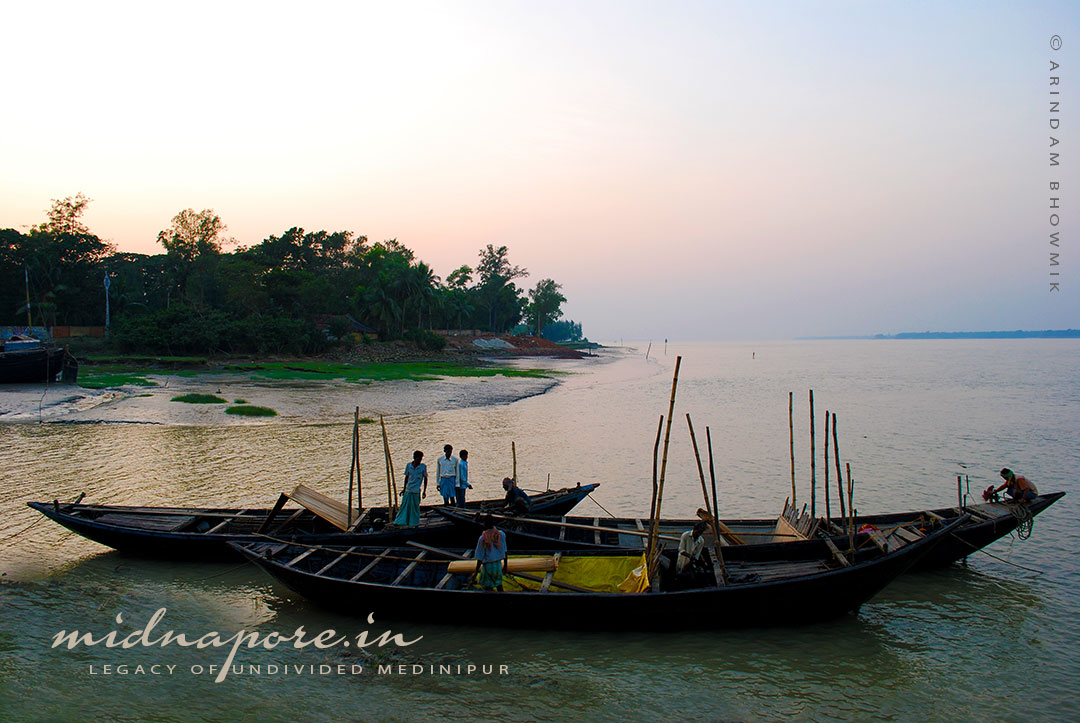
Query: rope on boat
point(245, 563)
point(39, 519)
point(605, 509)
point(1025, 521)
point(293, 543)
point(999, 559)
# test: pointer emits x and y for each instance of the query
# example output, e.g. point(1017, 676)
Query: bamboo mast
point(391, 484)
point(851, 507)
point(705, 494)
point(712, 475)
point(352, 469)
point(839, 476)
point(655, 455)
point(813, 462)
point(828, 511)
point(654, 527)
point(513, 453)
point(791, 435)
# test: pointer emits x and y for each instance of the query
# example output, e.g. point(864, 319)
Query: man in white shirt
point(463, 477)
point(691, 544)
point(447, 470)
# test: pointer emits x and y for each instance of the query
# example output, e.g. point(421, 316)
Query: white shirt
point(447, 466)
point(689, 549)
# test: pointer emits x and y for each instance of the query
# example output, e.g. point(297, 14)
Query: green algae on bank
point(113, 375)
point(199, 399)
point(250, 410)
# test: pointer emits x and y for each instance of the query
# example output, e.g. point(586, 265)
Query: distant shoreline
point(1019, 334)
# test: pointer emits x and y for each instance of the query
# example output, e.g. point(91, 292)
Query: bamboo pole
point(705, 494)
point(851, 507)
point(828, 511)
point(655, 458)
point(712, 475)
point(352, 469)
point(791, 433)
point(513, 453)
point(813, 462)
point(359, 476)
point(655, 523)
point(839, 477)
point(391, 483)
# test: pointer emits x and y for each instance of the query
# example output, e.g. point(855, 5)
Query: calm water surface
point(912, 416)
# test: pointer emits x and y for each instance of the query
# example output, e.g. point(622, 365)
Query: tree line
point(197, 296)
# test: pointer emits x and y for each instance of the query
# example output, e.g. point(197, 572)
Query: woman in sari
point(491, 554)
point(415, 488)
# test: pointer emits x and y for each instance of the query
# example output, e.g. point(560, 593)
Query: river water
point(995, 638)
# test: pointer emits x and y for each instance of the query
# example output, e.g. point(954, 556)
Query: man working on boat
point(691, 544)
point(415, 487)
point(1018, 487)
point(491, 554)
point(463, 477)
point(447, 468)
point(517, 502)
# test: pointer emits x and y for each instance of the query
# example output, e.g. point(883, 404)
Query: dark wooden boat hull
point(34, 366)
point(976, 533)
point(791, 601)
point(173, 533)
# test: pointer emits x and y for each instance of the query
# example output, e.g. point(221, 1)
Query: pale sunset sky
point(691, 170)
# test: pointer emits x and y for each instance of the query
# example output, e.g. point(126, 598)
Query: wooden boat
point(987, 523)
point(30, 361)
point(778, 589)
point(203, 533)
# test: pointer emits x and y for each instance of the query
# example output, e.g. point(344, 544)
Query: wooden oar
point(534, 578)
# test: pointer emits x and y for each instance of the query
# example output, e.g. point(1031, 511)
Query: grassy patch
point(367, 420)
point(102, 378)
point(384, 371)
point(199, 399)
point(248, 410)
point(239, 401)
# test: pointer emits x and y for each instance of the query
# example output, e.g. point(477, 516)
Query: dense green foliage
point(289, 294)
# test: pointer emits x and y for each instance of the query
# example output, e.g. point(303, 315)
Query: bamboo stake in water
point(705, 495)
point(791, 434)
point(655, 460)
point(851, 507)
point(839, 477)
point(813, 462)
point(655, 526)
point(828, 511)
point(391, 483)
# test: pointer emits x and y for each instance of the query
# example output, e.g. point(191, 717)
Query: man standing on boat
point(491, 554)
point(463, 477)
point(415, 488)
point(447, 469)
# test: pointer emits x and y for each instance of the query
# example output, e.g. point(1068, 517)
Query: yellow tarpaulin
point(599, 574)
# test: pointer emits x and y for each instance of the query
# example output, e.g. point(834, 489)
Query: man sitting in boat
point(415, 488)
point(517, 502)
point(1018, 487)
point(691, 544)
point(491, 554)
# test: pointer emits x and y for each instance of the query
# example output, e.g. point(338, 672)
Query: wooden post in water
point(959, 494)
point(813, 462)
point(828, 511)
point(712, 475)
point(655, 460)
point(839, 477)
point(705, 495)
point(654, 527)
point(791, 432)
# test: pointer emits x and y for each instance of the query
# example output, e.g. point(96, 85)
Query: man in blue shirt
point(517, 502)
point(462, 477)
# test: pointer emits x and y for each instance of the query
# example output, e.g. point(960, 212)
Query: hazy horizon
point(695, 170)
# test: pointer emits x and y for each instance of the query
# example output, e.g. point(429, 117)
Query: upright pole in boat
point(655, 456)
point(851, 507)
point(654, 527)
point(513, 453)
point(813, 462)
point(828, 511)
point(959, 494)
point(352, 469)
point(29, 321)
point(791, 434)
point(705, 494)
point(391, 486)
point(712, 475)
point(839, 477)
point(359, 477)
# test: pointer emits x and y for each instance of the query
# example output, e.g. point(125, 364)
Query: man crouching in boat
point(491, 554)
point(691, 543)
point(517, 502)
point(1018, 487)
